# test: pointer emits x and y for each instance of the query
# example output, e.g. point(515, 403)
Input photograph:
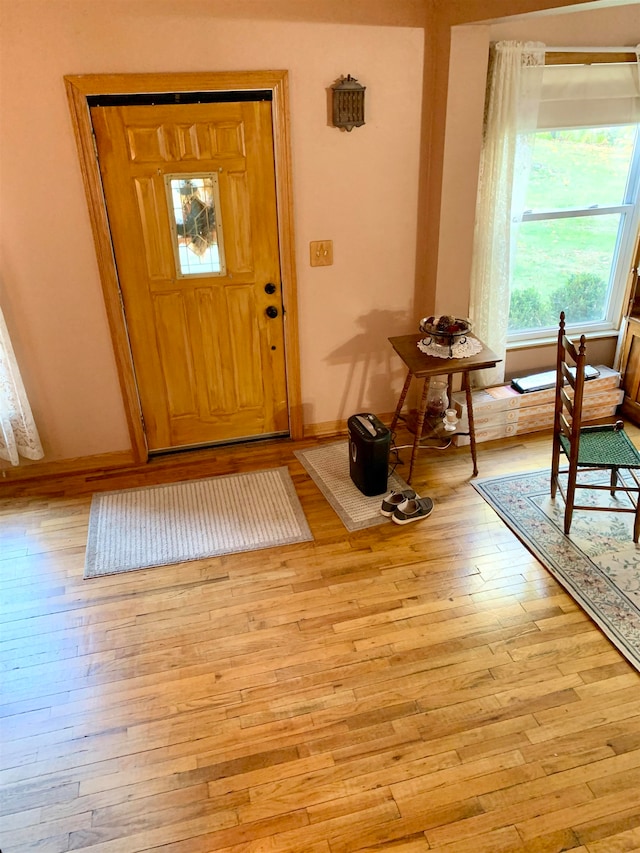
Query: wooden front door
point(206, 341)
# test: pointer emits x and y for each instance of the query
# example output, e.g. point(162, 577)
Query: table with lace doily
point(425, 360)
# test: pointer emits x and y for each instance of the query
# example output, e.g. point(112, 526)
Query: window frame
point(629, 212)
point(628, 229)
point(181, 273)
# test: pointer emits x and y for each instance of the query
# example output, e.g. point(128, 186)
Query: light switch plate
point(321, 253)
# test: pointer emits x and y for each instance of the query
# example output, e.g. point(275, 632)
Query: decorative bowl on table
point(445, 330)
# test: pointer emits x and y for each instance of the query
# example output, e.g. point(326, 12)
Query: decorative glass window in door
point(194, 206)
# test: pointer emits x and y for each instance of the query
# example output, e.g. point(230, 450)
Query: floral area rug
point(598, 563)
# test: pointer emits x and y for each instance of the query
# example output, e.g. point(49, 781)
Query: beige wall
point(357, 188)
point(375, 191)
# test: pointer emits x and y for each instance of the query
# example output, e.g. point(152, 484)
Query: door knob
point(272, 312)
point(270, 288)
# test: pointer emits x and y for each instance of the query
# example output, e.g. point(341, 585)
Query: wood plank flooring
point(428, 687)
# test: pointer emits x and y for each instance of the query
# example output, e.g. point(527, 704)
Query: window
point(580, 208)
point(194, 204)
point(575, 241)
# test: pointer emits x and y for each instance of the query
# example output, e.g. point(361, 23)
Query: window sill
point(552, 340)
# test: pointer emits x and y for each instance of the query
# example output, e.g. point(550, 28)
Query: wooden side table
point(425, 367)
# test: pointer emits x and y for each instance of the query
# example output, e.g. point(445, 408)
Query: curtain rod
point(633, 49)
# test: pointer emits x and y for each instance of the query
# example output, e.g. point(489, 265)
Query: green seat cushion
point(607, 448)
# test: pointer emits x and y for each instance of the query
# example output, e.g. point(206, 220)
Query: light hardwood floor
point(429, 687)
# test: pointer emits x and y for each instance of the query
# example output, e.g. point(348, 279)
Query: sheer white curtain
point(18, 433)
point(515, 81)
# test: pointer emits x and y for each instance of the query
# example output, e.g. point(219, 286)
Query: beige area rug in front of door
point(167, 524)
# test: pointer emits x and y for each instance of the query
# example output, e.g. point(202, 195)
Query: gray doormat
point(328, 467)
point(162, 525)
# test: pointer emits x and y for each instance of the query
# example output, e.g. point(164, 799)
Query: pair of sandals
point(405, 507)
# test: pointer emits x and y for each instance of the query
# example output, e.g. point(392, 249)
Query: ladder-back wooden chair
point(602, 447)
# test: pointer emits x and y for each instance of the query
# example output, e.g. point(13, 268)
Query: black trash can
point(369, 445)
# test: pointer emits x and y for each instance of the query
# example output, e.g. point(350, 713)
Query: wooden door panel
point(232, 356)
point(194, 141)
point(209, 363)
point(229, 139)
point(176, 354)
point(247, 358)
point(148, 144)
point(215, 350)
point(239, 249)
point(154, 223)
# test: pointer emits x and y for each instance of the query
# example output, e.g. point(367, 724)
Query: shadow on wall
point(370, 382)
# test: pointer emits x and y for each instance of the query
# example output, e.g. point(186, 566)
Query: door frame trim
point(79, 88)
